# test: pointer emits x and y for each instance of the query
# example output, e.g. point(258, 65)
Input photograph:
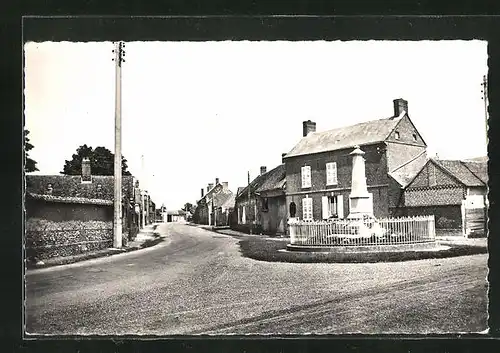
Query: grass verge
point(269, 250)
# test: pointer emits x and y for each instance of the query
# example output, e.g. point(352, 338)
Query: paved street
point(197, 282)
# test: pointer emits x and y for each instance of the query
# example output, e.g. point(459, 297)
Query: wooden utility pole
point(249, 202)
point(117, 219)
point(143, 193)
point(485, 99)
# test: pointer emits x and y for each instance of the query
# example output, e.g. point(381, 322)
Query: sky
point(198, 111)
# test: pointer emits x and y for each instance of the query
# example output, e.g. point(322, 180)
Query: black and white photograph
point(244, 187)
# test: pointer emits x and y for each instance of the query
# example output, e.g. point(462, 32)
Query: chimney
point(225, 185)
point(308, 127)
point(263, 169)
point(283, 157)
point(86, 173)
point(216, 181)
point(202, 192)
point(400, 105)
point(210, 186)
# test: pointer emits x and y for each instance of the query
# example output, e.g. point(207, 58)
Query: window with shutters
point(333, 207)
point(307, 209)
point(306, 176)
point(331, 173)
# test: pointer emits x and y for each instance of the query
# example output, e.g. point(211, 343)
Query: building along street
point(197, 282)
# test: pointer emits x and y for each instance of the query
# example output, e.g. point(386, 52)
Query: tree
point(30, 165)
point(101, 161)
point(188, 207)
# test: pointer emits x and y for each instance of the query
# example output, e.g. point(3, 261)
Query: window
point(265, 204)
point(331, 173)
point(307, 210)
point(333, 206)
point(396, 135)
point(306, 176)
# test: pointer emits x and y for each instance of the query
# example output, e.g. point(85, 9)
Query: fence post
point(292, 233)
point(430, 221)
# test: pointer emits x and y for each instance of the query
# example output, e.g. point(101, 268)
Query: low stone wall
point(48, 239)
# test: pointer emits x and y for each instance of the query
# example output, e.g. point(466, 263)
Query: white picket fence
point(387, 231)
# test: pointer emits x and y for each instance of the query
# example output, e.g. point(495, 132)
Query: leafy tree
point(188, 207)
point(101, 161)
point(30, 165)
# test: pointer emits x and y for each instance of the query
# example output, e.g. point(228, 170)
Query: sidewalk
point(145, 238)
point(235, 233)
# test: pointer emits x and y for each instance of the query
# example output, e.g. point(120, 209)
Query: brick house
point(319, 168)
point(265, 211)
point(215, 206)
point(67, 214)
point(454, 191)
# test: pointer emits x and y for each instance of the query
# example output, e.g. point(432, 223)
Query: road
point(197, 282)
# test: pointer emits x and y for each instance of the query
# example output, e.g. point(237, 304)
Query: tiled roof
point(406, 173)
point(480, 169)
point(223, 198)
point(254, 184)
point(483, 159)
point(273, 180)
point(346, 137)
point(72, 186)
point(62, 199)
point(229, 202)
point(176, 212)
point(240, 189)
point(459, 170)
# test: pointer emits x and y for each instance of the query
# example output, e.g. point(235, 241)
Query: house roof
point(229, 202)
point(483, 159)
point(240, 189)
point(408, 171)
point(460, 171)
point(254, 184)
point(176, 212)
point(71, 186)
point(211, 191)
point(273, 180)
point(479, 169)
point(67, 199)
point(346, 137)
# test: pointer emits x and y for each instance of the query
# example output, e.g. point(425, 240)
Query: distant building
point(265, 211)
point(176, 216)
point(214, 206)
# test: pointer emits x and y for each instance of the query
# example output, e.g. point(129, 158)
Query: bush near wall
point(48, 239)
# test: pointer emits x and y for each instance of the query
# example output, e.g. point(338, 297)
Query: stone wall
point(47, 239)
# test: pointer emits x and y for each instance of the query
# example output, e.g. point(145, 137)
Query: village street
point(197, 282)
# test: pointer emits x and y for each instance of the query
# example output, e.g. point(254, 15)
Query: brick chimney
point(209, 187)
point(225, 185)
point(283, 157)
point(263, 169)
point(216, 181)
point(308, 127)
point(400, 105)
point(86, 172)
point(202, 192)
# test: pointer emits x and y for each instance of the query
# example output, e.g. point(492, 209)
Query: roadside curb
point(96, 254)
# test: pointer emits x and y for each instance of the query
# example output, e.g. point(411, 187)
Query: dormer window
point(396, 135)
